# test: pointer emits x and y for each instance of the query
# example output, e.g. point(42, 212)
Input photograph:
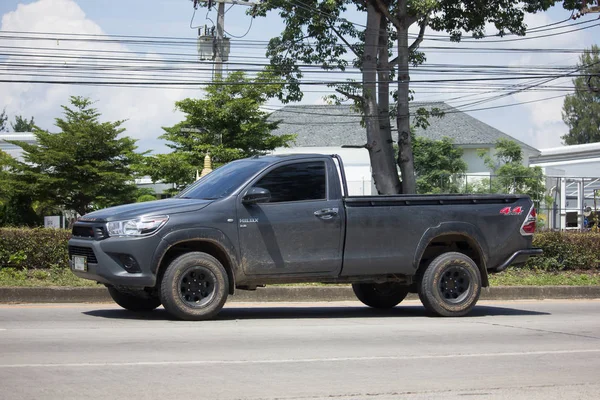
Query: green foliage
point(565, 251)
point(323, 22)
point(3, 119)
point(509, 175)
point(438, 165)
point(17, 210)
point(39, 248)
point(228, 124)
point(84, 166)
point(581, 110)
point(22, 125)
point(145, 197)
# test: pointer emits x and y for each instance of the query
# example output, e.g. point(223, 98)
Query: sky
point(146, 110)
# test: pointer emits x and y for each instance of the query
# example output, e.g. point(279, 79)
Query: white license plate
point(80, 263)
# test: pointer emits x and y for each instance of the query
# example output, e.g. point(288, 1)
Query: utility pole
point(219, 45)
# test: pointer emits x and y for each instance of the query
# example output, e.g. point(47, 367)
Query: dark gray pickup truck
point(287, 219)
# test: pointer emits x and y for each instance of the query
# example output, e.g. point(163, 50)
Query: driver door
point(299, 230)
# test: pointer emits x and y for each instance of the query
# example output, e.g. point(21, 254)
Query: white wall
point(475, 164)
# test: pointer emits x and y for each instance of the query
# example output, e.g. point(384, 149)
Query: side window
point(296, 182)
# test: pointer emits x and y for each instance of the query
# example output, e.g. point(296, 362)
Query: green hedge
point(47, 248)
point(37, 248)
point(565, 251)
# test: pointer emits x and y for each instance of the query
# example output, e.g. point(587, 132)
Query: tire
point(132, 301)
point(450, 285)
point(380, 295)
point(194, 287)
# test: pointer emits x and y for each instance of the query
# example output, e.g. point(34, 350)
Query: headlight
point(142, 226)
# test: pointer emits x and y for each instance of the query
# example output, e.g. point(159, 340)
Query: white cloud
point(145, 110)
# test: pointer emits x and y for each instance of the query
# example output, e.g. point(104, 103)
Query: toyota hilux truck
point(289, 219)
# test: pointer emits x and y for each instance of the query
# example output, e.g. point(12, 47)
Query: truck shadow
point(324, 312)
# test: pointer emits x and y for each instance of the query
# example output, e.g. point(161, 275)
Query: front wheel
point(194, 287)
point(134, 300)
point(380, 295)
point(450, 285)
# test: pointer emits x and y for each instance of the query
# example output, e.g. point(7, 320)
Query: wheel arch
point(460, 237)
point(216, 245)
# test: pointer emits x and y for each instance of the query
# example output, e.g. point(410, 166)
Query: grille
point(83, 251)
point(82, 231)
point(87, 231)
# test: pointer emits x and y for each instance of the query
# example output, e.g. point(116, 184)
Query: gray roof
point(338, 125)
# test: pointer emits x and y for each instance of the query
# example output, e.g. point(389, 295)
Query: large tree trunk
point(384, 171)
point(383, 93)
point(405, 154)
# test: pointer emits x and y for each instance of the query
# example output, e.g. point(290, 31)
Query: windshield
point(223, 181)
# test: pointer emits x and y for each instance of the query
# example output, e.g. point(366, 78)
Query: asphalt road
point(335, 351)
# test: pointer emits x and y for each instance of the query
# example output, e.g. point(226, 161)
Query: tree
point(437, 165)
point(16, 204)
point(86, 165)
point(315, 33)
point(581, 110)
point(228, 124)
point(509, 175)
point(3, 119)
point(22, 125)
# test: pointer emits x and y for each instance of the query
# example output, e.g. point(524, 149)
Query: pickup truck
point(288, 219)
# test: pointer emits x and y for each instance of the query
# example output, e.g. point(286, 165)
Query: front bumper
point(518, 257)
point(108, 266)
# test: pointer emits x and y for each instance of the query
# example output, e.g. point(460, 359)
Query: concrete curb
point(291, 294)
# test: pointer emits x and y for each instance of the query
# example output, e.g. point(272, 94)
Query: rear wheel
point(134, 300)
point(380, 295)
point(194, 287)
point(450, 285)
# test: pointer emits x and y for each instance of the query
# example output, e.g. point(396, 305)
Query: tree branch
point(380, 5)
point(344, 40)
point(419, 38)
point(349, 95)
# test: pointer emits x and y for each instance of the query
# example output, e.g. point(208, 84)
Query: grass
point(511, 277)
point(518, 277)
point(41, 277)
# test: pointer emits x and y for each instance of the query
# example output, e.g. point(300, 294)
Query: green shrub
point(564, 251)
point(39, 248)
point(146, 197)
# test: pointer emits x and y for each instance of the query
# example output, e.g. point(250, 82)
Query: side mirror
point(256, 195)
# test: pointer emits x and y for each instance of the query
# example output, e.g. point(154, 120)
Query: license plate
point(80, 263)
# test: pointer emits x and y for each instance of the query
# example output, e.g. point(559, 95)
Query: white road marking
point(299, 360)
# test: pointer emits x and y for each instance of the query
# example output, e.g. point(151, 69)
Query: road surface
point(300, 351)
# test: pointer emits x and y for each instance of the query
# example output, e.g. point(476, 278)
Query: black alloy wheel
point(197, 286)
point(454, 284)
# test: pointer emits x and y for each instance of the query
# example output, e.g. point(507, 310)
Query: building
point(329, 128)
point(11, 149)
point(573, 182)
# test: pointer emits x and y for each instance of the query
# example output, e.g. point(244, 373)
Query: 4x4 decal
point(513, 211)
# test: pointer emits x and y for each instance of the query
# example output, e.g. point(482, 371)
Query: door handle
point(326, 213)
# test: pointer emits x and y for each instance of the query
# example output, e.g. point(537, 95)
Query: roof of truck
point(279, 157)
